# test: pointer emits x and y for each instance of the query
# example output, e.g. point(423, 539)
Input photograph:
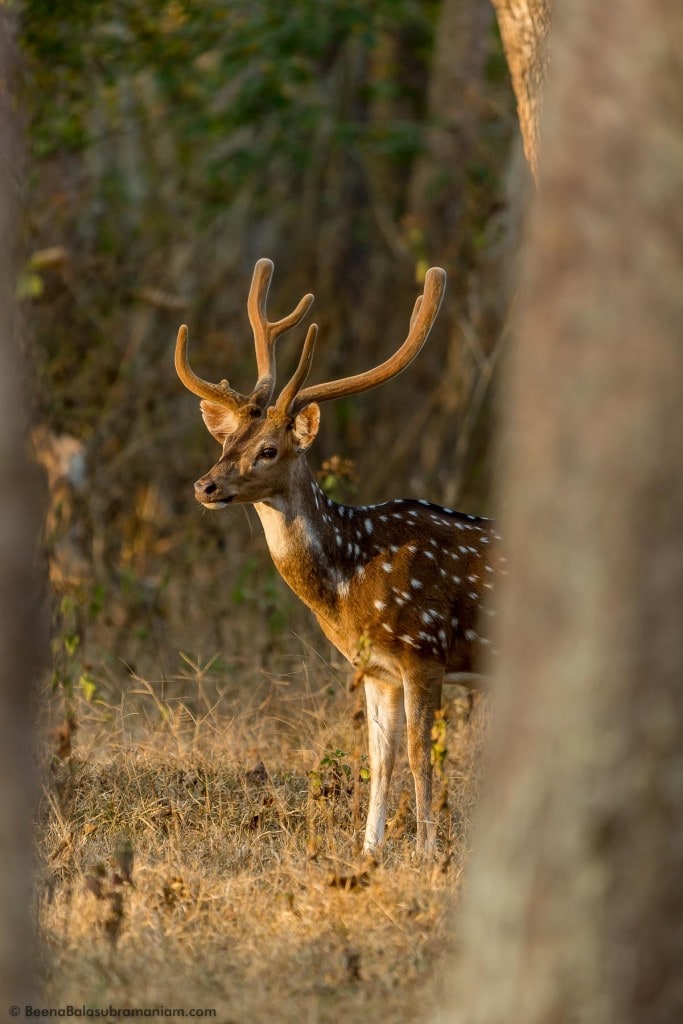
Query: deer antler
point(220, 393)
point(266, 332)
point(298, 379)
point(294, 396)
point(421, 321)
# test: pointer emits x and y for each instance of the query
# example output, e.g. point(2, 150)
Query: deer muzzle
point(207, 493)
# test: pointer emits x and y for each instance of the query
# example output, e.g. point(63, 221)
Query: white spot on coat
point(407, 639)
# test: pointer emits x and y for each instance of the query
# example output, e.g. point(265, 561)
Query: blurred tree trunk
point(574, 908)
point(524, 26)
point(441, 210)
point(19, 641)
point(438, 186)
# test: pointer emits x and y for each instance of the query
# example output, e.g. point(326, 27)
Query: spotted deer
point(399, 588)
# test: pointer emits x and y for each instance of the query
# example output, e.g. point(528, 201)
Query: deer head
point(263, 440)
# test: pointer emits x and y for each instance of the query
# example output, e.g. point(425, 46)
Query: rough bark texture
point(19, 639)
point(524, 26)
point(574, 906)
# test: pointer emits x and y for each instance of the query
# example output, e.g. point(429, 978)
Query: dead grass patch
point(199, 847)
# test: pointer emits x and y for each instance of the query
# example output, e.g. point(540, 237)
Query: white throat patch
point(283, 539)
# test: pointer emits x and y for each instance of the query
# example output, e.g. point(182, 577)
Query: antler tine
point(221, 393)
point(298, 379)
point(266, 332)
point(416, 310)
point(256, 309)
point(421, 321)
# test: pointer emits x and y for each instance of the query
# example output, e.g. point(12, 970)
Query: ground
point(199, 849)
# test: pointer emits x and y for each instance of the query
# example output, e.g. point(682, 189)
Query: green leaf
point(72, 643)
point(29, 286)
point(88, 687)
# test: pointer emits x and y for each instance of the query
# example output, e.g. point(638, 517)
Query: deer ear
point(306, 426)
point(218, 419)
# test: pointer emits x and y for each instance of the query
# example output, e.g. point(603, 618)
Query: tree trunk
point(524, 26)
point(437, 189)
point(19, 641)
point(445, 211)
point(574, 907)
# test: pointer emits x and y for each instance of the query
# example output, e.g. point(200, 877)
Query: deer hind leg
point(385, 708)
point(422, 700)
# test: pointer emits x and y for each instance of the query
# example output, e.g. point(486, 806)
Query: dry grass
point(238, 801)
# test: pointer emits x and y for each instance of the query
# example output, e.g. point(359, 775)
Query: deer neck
point(310, 540)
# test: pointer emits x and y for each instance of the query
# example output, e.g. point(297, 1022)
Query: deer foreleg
point(385, 709)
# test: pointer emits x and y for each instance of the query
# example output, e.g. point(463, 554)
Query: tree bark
point(574, 907)
point(20, 639)
point(524, 26)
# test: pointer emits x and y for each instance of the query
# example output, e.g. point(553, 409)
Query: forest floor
point(199, 850)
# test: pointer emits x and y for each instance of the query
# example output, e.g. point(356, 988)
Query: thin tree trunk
point(439, 226)
point(524, 26)
point(18, 640)
point(574, 906)
point(436, 193)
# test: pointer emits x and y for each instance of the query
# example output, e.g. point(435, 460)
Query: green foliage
point(335, 761)
point(88, 686)
point(65, 643)
point(439, 739)
point(238, 80)
point(334, 775)
point(72, 673)
point(172, 142)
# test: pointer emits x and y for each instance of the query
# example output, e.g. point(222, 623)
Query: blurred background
point(170, 144)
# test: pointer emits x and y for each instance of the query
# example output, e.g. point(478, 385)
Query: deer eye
point(268, 452)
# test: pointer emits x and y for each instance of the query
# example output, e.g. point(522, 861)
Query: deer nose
point(204, 486)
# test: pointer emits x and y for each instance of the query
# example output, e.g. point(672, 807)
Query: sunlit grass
point(200, 847)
